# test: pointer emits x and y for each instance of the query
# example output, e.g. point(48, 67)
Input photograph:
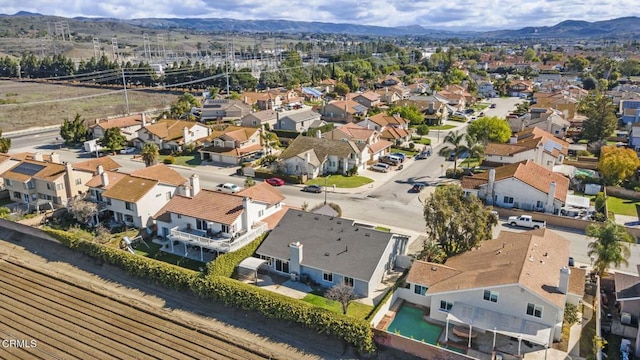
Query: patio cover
point(250, 265)
point(507, 325)
point(577, 201)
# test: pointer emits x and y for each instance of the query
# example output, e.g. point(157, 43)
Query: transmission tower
point(161, 53)
point(114, 47)
point(96, 47)
point(147, 46)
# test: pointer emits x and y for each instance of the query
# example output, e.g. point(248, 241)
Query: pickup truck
point(526, 221)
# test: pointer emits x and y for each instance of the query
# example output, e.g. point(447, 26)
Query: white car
point(228, 188)
point(127, 150)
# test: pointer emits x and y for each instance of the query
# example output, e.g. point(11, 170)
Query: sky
point(469, 15)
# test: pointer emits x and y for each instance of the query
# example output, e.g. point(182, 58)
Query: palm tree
point(150, 154)
point(456, 149)
point(268, 138)
point(611, 246)
point(473, 148)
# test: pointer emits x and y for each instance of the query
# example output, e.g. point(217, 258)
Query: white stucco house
point(531, 144)
point(172, 134)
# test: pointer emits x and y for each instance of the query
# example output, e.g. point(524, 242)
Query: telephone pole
point(126, 97)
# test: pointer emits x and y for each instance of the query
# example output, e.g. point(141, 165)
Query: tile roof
point(161, 173)
point(232, 152)
point(262, 192)
point(369, 95)
point(114, 177)
point(4, 157)
point(383, 119)
point(129, 188)
point(532, 259)
point(329, 243)
point(302, 115)
point(26, 170)
point(120, 122)
point(380, 145)
point(169, 129)
point(207, 205)
point(350, 106)
point(321, 147)
point(107, 163)
point(264, 115)
point(240, 133)
point(394, 133)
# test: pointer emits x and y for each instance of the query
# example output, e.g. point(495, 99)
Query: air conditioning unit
point(294, 276)
point(625, 318)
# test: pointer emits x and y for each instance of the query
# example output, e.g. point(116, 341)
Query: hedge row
point(229, 291)
point(225, 264)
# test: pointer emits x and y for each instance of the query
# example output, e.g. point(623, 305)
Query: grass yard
point(586, 338)
point(421, 140)
point(470, 163)
point(622, 206)
point(355, 309)
point(441, 127)
point(408, 153)
point(480, 106)
point(184, 160)
point(341, 181)
point(153, 251)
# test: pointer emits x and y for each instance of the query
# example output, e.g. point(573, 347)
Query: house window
point(490, 296)
point(328, 277)
point(60, 186)
point(419, 289)
point(282, 266)
point(50, 186)
point(78, 181)
point(201, 224)
point(539, 204)
point(260, 213)
point(179, 216)
point(128, 219)
point(108, 200)
point(225, 229)
point(128, 205)
point(508, 200)
point(7, 182)
point(445, 306)
point(168, 195)
point(534, 310)
point(348, 281)
point(34, 197)
point(30, 185)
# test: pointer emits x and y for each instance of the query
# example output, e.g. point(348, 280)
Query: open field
point(34, 104)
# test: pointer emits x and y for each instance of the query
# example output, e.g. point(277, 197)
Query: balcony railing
point(225, 244)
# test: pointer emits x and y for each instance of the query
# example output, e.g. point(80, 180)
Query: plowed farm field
point(55, 319)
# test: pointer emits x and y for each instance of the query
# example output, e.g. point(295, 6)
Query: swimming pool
point(408, 322)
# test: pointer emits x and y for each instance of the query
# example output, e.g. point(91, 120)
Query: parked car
point(417, 187)
point(128, 150)
point(391, 160)
point(526, 221)
point(492, 106)
point(381, 167)
point(312, 189)
point(422, 155)
point(274, 181)
point(464, 155)
point(400, 155)
point(228, 188)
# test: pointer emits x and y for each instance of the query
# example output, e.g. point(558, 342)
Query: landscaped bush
point(169, 160)
point(228, 291)
point(457, 175)
point(225, 264)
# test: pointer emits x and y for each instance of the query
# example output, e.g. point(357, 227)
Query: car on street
point(417, 187)
point(423, 155)
point(228, 188)
point(128, 150)
point(317, 189)
point(274, 181)
point(462, 156)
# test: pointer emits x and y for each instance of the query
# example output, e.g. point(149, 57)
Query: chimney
point(105, 179)
point(69, 179)
point(563, 285)
point(55, 158)
point(490, 186)
point(246, 218)
point(550, 197)
point(38, 157)
point(319, 134)
point(307, 158)
point(185, 189)
point(100, 169)
point(97, 121)
point(144, 120)
point(194, 181)
point(185, 135)
point(513, 139)
point(295, 257)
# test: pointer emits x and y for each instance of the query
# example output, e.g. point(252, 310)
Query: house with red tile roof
point(172, 134)
point(343, 111)
point(201, 223)
point(351, 132)
point(525, 185)
point(368, 99)
point(231, 145)
point(128, 125)
point(392, 128)
point(514, 286)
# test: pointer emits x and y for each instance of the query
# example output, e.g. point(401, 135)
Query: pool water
point(408, 322)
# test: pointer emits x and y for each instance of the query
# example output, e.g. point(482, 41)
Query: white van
point(380, 167)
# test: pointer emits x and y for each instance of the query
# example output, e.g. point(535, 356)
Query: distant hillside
point(620, 27)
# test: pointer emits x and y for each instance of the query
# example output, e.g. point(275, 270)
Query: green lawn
point(480, 106)
point(622, 206)
point(382, 228)
point(341, 181)
point(355, 309)
point(441, 127)
point(470, 163)
point(153, 251)
point(586, 338)
point(421, 140)
point(184, 160)
point(408, 153)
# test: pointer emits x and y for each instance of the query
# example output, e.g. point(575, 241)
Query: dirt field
point(71, 305)
point(30, 104)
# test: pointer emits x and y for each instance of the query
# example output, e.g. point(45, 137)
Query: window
point(168, 195)
point(419, 289)
point(60, 186)
point(539, 204)
point(17, 195)
point(225, 229)
point(508, 200)
point(490, 296)
point(30, 185)
point(348, 281)
point(534, 310)
point(445, 306)
point(50, 186)
point(128, 205)
point(201, 224)
point(282, 266)
point(179, 216)
point(7, 182)
point(78, 181)
point(328, 277)
point(128, 218)
point(260, 213)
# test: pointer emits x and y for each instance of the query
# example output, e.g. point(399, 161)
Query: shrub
point(422, 129)
point(571, 314)
point(412, 146)
point(4, 212)
point(584, 153)
point(226, 264)
point(169, 160)
point(458, 174)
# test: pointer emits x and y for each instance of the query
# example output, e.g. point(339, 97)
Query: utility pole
point(227, 68)
point(126, 97)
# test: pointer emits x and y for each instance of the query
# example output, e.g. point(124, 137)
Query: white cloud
point(459, 14)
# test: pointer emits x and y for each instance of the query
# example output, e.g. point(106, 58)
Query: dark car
point(464, 155)
point(274, 181)
point(492, 106)
point(313, 189)
point(418, 187)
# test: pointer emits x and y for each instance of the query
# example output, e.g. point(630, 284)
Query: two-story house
point(486, 89)
point(312, 157)
point(262, 100)
point(515, 286)
point(299, 120)
point(367, 99)
point(532, 144)
point(351, 132)
point(201, 223)
point(6, 163)
point(231, 145)
point(520, 88)
point(393, 128)
point(128, 125)
point(343, 111)
point(133, 199)
point(223, 110)
point(548, 119)
point(172, 134)
point(267, 118)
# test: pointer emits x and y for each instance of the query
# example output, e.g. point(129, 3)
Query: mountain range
point(624, 27)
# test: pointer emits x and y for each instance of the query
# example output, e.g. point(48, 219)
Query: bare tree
point(343, 294)
point(82, 210)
